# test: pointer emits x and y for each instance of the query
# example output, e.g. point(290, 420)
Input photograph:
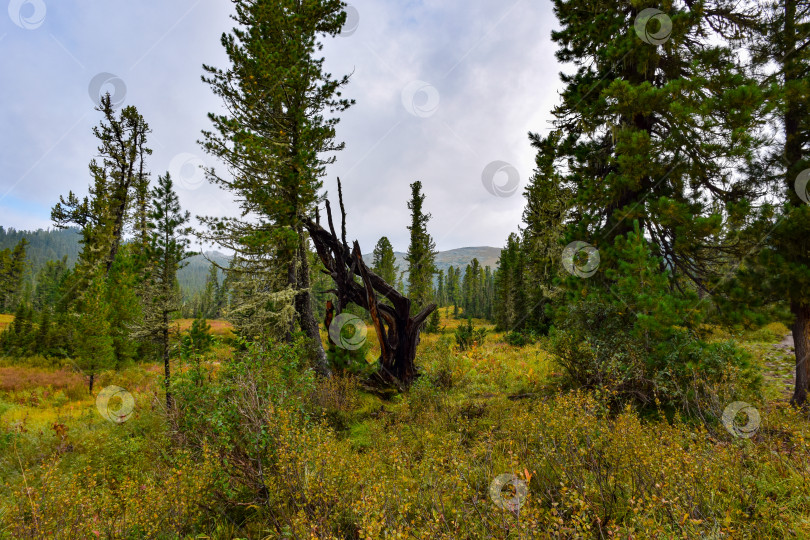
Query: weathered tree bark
point(793, 156)
point(801, 343)
point(303, 307)
point(397, 332)
point(327, 320)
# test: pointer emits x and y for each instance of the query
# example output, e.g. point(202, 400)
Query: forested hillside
point(53, 245)
point(43, 246)
point(459, 257)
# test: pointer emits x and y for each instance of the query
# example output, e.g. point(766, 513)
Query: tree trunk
point(303, 308)
point(801, 341)
point(92, 380)
point(166, 369)
point(793, 156)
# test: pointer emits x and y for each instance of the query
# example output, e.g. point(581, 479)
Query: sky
point(446, 92)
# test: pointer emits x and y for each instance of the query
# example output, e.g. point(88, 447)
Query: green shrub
point(433, 325)
point(234, 412)
point(640, 342)
point(770, 333)
point(519, 339)
point(198, 340)
point(467, 336)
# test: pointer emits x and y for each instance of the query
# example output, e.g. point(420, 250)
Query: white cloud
point(491, 62)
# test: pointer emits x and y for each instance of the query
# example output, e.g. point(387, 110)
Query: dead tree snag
point(397, 332)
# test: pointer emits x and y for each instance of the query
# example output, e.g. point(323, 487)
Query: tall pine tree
point(167, 251)
point(653, 126)
point(274, 140)
point(421, 252)
point(780, 272)
point(104, 217)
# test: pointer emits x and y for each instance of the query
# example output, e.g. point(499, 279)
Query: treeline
point(471, 293)
point(115, 305)
point(12, 269)
point(214, 300)
point(55, 244)
point(43, 246)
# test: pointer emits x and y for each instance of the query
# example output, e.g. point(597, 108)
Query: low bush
point(236, 413)
point(519, 339)
point(770, 333)
point(17, 378)
point(468, 336)
point(337, 397)
point(640, 342)
point(95, 503)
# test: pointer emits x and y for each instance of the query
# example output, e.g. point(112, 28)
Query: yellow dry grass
point(218, 327)
point(5, 320)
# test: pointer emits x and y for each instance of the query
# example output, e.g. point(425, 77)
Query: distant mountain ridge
point(487, 256)
point(459, 257)
point(46, 245)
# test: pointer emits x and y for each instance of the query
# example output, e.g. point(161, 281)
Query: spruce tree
point(167, 251)
point(652, 126)
point(421, 252)
point(384, 261)
point(209, 300)
point(49, 283)
point(43, 337)
point(780, 271)
point(510, 290)
point(549, 198)
point(433, 325)
point(453, 288)
point(93, 346)
point(276, 140)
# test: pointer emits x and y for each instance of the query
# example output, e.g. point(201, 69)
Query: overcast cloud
point(443, 89)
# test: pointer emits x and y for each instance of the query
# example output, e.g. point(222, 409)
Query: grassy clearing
point(219, 328)
point(420, 465)
point(5, 320)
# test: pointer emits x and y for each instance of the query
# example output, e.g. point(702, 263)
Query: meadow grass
point(5, 320)
point(418, 465)
point(219, 328)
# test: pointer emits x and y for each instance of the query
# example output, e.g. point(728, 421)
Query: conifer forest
point(392, 270)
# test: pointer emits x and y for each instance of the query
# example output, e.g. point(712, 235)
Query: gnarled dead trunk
point(397, 332)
